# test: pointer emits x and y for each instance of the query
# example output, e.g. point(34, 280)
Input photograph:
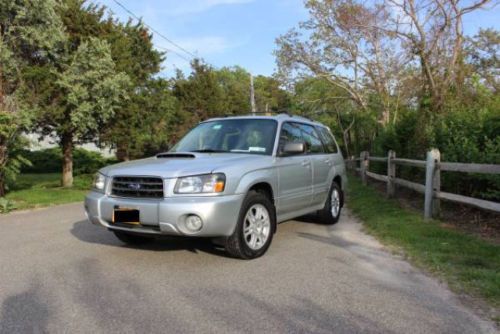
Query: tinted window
point(327, 138)
point(289, 134)
point(297, 132)
point(311, 137)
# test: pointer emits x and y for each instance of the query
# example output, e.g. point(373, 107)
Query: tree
point(269, 95)
point(235, 84)
point(89, 91)
point(200, 95)
point(30, 32)
point(159, 118)
point(343, 45)
point(483, 53)
point(133, 52)
point(432, 31)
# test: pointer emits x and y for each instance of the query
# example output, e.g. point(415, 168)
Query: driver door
point(294, 173)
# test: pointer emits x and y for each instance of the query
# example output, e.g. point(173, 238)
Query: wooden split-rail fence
point(432, 188)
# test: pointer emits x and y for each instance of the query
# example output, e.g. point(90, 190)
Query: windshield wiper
point(209, 150)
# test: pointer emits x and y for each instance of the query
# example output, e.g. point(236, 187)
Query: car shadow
point(87, 232)
point(308, 219)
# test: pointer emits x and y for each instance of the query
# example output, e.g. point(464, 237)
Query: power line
point(154, 30)
point(174, 52)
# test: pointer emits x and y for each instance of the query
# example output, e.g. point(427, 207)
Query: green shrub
point(50, 161)
point(469, 136)
point(6, 205)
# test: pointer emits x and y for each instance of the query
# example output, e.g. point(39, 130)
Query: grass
point(468, 264)
point(39, 190)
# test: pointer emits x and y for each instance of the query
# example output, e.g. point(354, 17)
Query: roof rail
point(269, 113)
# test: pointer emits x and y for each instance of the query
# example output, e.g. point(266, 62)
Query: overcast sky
point(234, 32)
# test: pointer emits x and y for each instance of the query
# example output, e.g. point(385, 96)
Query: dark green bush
point(469, 136)
point(50, 161)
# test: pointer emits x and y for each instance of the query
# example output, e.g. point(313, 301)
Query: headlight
point(99, 182)
point(208, 183)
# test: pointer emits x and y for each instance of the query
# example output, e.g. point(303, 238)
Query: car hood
point(172, 165)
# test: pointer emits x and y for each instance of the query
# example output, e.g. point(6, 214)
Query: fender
point(267, 175)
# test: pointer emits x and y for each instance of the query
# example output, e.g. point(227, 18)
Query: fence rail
point(432, 187)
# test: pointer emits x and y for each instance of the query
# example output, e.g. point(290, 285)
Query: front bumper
point(166, 216)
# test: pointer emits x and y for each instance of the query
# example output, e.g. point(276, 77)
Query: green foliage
point(133, 52)
point(235, 84)
point(30, 32)
point(6, 205)
point(91, 90)
point(200, 95)
point(50, 160)
point(269, 95)
point(151, 120)
point(467, 263)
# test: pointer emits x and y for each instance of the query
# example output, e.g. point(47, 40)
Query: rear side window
point(295, 132)
point(327, 138)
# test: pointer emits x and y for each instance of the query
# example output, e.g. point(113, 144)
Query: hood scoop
point(168, 155)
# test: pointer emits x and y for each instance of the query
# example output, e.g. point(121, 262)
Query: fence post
point(391, 173)
point(430, 169)
point(436, 203)
point(352, 164)
point(364, 165)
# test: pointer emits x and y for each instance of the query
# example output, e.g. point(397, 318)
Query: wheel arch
point(265, 188)
point(338, 180)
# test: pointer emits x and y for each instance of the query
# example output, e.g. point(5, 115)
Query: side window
point(312, 139)
point(327, 138)
point(289, 133)
point(297, 132)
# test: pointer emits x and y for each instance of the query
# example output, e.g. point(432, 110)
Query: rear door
point(332, 152)
point(294, 173)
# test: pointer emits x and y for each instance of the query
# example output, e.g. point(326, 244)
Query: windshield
point(255, 136)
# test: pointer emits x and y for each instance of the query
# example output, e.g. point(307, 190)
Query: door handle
point(306, 163)
point(328, 162)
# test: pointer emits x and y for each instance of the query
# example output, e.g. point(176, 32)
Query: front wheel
point(330, 214)
point(254, 231)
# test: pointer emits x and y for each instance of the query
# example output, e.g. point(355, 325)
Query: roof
point(278, 117)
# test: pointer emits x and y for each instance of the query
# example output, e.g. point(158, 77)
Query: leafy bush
point(6, 205)
point(50, 161)
point(469, 136)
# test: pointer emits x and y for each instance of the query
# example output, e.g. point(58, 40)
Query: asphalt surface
point(60, 274)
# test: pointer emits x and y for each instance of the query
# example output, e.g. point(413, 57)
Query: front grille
point(137, 186)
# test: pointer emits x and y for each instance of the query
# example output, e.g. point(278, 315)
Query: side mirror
point(294, 148)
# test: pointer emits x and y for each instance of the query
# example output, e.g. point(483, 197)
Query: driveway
point(60, 274)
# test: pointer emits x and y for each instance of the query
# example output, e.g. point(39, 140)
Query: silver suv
point(231, 179)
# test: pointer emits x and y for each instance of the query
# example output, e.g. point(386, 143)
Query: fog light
point(193, 223)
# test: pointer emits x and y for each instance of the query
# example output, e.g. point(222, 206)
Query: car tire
point(330, 214)
point(131, 239)
point(254, 231)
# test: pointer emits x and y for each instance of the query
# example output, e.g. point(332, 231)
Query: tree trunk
point(67, 165)
point(2, 184)
point(3, 148)
point(122, 153)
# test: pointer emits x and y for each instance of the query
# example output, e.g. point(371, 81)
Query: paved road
point(60, 274)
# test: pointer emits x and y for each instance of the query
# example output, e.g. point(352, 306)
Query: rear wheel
point(330, 214)
point(254, 231)
point(131, 239)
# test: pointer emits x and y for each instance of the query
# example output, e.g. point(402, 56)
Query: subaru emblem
point(134, 186)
